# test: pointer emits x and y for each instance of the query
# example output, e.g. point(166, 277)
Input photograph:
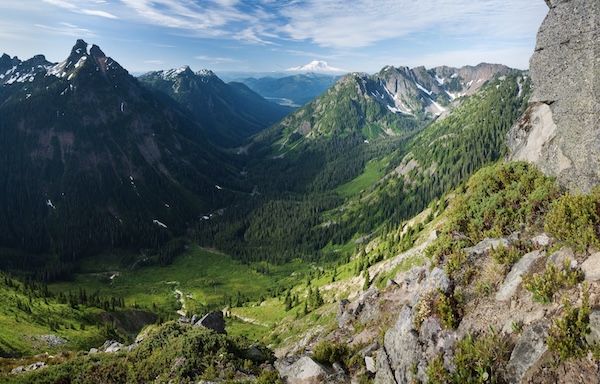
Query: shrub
point(448, 308)
point(575, 220)
point(545, 285)
point(327, 352)
point(567, 334)
point(505, 255)
point(476, 360)
point(499, 198)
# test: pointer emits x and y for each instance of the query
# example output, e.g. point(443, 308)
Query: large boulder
point(406, 352)
point(213, 321)
point(560, 132)
point(303, 371)
point(528, 351)
point(514, 277)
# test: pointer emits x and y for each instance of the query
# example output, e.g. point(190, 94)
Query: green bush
point(477, 360)
point(500, 198)
point(448, 308)
point(545, 285)
point(506, 255)
point(575, 220)
point(567, 334)
point(327, 352)
point(170, 350)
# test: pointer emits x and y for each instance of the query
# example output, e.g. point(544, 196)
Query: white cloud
point(216, 60)
point(335, 23)
point(77, 9)
point(68, 29)
point(205, 19)
point(97, 13)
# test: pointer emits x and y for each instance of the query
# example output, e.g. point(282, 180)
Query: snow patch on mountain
point(316, 66)
point(171, 74)
point(422, 88)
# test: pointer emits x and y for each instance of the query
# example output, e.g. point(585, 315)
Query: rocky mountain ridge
point(391, 102)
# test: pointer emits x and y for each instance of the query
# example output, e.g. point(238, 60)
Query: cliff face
point(560, 132)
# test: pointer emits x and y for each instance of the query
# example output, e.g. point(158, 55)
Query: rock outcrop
point(213, 321)
point(560, 131)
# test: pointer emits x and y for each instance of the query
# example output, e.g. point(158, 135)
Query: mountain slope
point(348, 167)
point(91, 161)
point(227, 113)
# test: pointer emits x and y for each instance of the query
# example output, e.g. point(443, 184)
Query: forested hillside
point(226, 113)
point(334, 186)
point(92, 161)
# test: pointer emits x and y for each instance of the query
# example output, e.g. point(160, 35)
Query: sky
point(274, 35)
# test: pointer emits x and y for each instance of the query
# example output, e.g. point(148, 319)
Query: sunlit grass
point(374, 171)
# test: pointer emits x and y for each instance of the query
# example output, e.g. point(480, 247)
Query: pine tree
point(367, 283)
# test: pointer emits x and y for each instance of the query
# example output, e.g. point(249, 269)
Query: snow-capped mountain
point(416, 90)
point(13, 70)
point(317, 66)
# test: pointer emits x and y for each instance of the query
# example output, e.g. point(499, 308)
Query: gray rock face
point(303, 371)
point(560, 132)
point(364, 308)
point(485, 245)
point(594, 336)
point(591, 267)
point(406, 353)
point(214, 321)
point(514, 279)
point(111, 346)
point(529, 350)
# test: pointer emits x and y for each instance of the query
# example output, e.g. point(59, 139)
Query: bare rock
point(558, 257)
point(528, 351)
point(405, 348)
point(401, 345)
point(541, 241)
point(364, 307)
point(213, 321)
point(52, 340)
point(514, 279)
point(370, 364)
point(560, 131)
point(420, 281)
point(485, 245)
point(591, 267)
point(303, 371)
point(254, 354)
point(111, 346)
point(594, 335)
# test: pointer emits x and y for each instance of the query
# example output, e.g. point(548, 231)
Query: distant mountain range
point(228, 113)
point(385, 103)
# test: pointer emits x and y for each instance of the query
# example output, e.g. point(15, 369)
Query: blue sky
point(273, 35)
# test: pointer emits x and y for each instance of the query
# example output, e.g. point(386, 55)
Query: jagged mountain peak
point(84, 54)
point(13, 70)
